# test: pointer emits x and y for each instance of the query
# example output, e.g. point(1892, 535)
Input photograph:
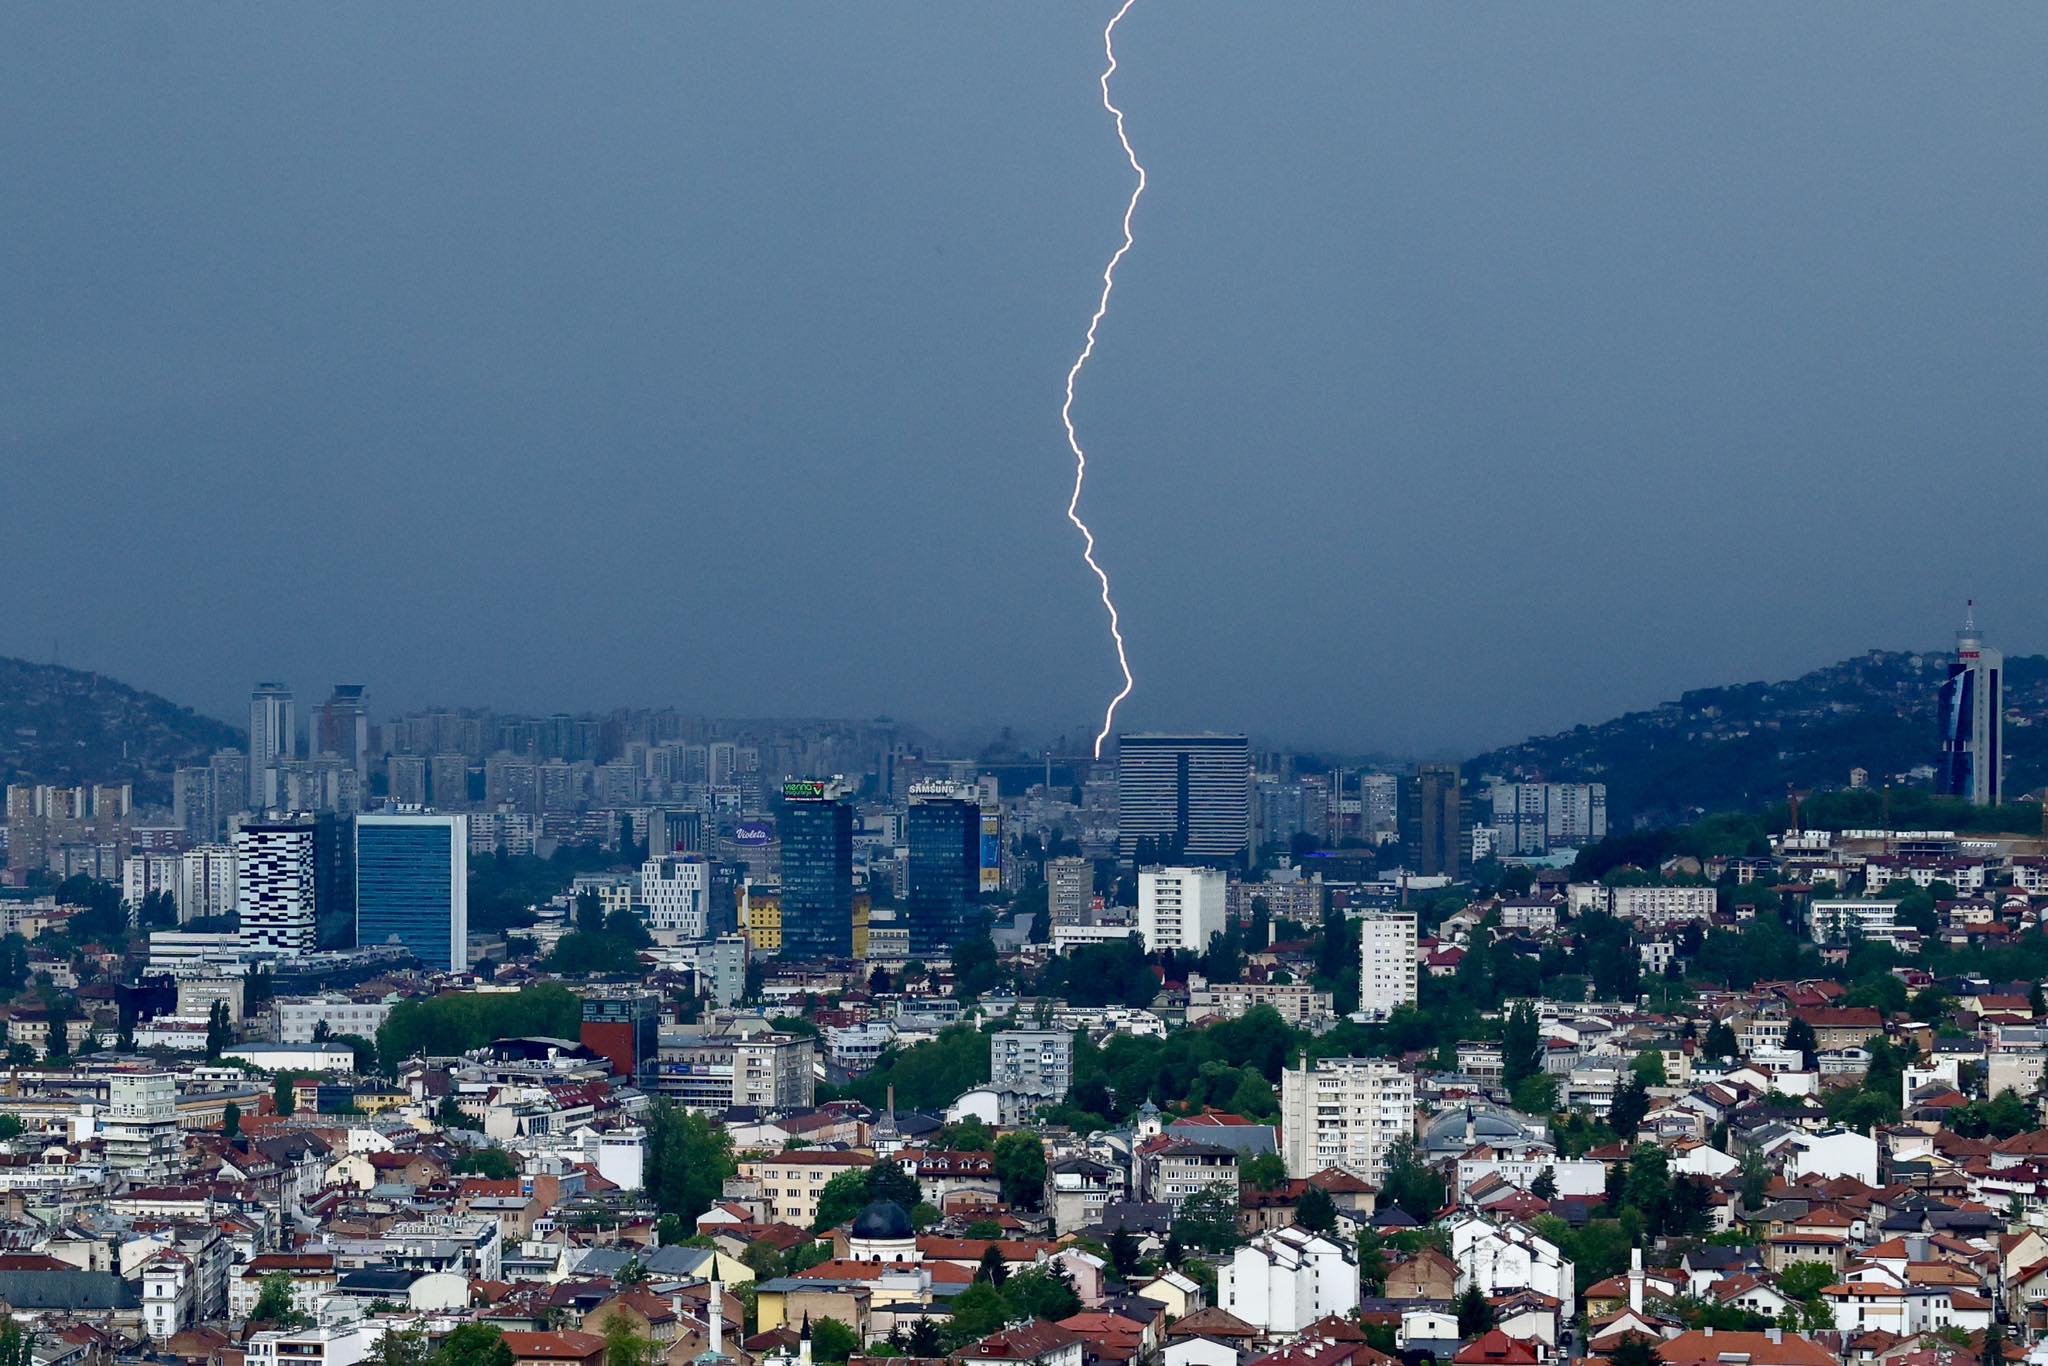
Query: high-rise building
point(1379, 803)
point(448, 781)
point(1180, 909)
point(1069, 890)
point(677, 891)
point(342, 726)
point(1432, 821)
point(274, 886)
point(1973, 720)
point(142, 1137)
point(232, 786)
point(406, 779)
point(193, 808)
point(1387, 977)
point(1534, 818)
point(412, 886)
point(206, 882)
point(1183, 796)
point(1344, 1112)
point(943, 829)
point(273, 735)
point(147, 875)
point(817, 872)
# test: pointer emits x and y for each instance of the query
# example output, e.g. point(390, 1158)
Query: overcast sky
point(1479, 370)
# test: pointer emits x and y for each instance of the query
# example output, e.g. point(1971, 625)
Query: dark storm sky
point(1480, 369)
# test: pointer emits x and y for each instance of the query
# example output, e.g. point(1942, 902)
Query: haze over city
point(711, 356)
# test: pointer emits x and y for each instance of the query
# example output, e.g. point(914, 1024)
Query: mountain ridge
point(1740, 746)
point(68, 726)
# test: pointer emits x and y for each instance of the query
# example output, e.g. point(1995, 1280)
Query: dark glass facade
point(405, 889)
point(944, 873)
point(817, 879)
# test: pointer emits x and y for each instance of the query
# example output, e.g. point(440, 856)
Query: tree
point(1634, 1350)
point(1316, 1211)
point(218, 1033)
point(624, 1344)
point(888, 1181)
point(688, 1160)
point(1544, 1187)
point(993, 1268)
point(231, 1120)
point(11, 1126)
point(1804, 1280)
point(1994, 1345)
point(1521, 1045)
point(1756, 1180)
point(832, 1341)
point(16, 1347)
point(925, 1340)
point(274, 1302)
point(1630, 1104)
point(474, 1344)
point(1208, 1220)
point(398, 1347)
point(1123, 1253)
point(1649, 1066)
point(1475, 1315)
point(1020, 1167)
point(449, 1115)
point(1721, 1041)
point(1800, 1037)
point(1043, 1292)
point(1409, 1182)
point(841, 1199)
point(1265, 1172)
point(1535, 1094)
point(493, 1164)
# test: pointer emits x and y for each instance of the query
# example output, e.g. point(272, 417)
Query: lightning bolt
point(1067, 409)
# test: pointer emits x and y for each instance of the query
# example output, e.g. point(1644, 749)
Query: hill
point(1740, 747)
point(65, 726)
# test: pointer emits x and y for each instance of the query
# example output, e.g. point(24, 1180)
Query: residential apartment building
point(1387, 971)
point(1285, 1279)
point(1034, 1062)
point(790, 1182)
point(1178, 1169)
point(715, 1072)
point(1298, 1003)
point(1180, 909)
point(1344, 1112)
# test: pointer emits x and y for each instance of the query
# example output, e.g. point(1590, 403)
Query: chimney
point(1709, 1331)
point(1635, 1279)
point(717, 1318)
point(1777, 1335)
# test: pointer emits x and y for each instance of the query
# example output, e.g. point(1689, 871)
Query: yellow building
point(862, 904)
point(761, 914)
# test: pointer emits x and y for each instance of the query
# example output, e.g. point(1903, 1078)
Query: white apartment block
point(1345, 1112)
point(144, 875)
point(677, 893)
point(1835, 922)
point(274, 887)
point(298, 1018)
point(1284, 1280)
point(1180, 908)
point(1387, 976)
point(1661, 905)
point(1298, 1003)
point(206, 882)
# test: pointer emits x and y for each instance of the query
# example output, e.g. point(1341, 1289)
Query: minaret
point(717, 1318)
point(803, 1342)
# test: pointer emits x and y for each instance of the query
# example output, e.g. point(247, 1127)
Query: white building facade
point(1180, 908)
point(1345, 1112)
point(1387, 970)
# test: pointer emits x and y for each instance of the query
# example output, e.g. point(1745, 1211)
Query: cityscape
point(1111, 684)
point(396, 1037)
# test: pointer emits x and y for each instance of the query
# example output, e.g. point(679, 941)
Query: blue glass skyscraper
point(412, 886)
